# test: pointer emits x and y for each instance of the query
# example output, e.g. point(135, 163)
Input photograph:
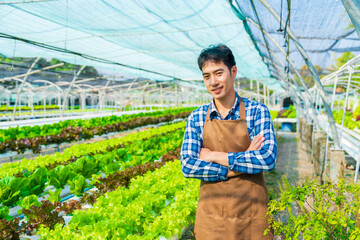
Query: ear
point(233, 71)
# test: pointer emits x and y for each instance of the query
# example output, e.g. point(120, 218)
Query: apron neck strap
point(241, 109)
point(208, 114)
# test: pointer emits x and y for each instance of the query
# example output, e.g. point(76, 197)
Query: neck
point(226, 103)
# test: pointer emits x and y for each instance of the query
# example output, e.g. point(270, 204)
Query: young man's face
point(218, 79)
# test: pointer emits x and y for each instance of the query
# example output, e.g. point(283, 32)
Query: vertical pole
point(264, 93)
point(59, 99)
point(66, 100)
point(18, 90)
point(327, 136)
point(44, 102)
point(176, 95)
point(258, 91)
point(319, 144)
point(357, 168)
point(161, 96)
point(20, 103)
point(308, 146)
point(351, 70)
point(32, 102)
point(337, 164)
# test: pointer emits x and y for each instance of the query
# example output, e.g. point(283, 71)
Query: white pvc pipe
point(350, 69)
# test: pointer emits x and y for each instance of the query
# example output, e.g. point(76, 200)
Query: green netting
point(153, 39)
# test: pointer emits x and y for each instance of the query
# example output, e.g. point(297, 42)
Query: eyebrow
point(217, 70)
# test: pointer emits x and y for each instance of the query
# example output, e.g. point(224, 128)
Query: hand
point(231, 174)
point(213, 156)
point(256, 143)
point(206, 154)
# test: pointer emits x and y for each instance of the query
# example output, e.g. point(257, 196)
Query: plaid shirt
point(258, 121)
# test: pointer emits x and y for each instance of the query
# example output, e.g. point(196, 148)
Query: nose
point(213, 80)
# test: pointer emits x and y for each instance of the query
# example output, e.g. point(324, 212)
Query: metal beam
point(65, 102)
point(312, 70)
point(33, 72)
point(18, 92)
point(287, 58)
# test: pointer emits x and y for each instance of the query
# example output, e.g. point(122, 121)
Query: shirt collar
point(232, 110)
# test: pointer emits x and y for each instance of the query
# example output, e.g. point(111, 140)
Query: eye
point(218, 73)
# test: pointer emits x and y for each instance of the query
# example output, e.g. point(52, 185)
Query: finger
point(255, 140)
point(252, 146)
point(258, 144)
point(255, 143)
point(256, 137)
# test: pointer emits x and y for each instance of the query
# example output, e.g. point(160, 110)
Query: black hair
point(217, 53)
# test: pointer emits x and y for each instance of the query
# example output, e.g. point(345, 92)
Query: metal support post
point(18, 92)
point(161, 96)
point(357, 168)
point(264, 93)
point(351, 71)
point(66, 100)
point(324, 167)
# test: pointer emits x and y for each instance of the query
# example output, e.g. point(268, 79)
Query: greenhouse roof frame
point(151, 30)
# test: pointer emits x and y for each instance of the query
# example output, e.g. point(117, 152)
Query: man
point(218, 150)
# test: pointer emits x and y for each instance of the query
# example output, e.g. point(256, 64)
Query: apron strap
point(241, 109)
point(208, 113)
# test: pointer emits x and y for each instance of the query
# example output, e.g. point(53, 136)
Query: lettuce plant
point(10, 189)
point(78, 185)
point(59, 176)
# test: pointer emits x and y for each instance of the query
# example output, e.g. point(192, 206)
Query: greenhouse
point(126, 120)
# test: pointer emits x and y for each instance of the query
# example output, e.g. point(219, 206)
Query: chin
point(218, 96)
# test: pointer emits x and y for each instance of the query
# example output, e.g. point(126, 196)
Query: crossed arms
point(201, 163)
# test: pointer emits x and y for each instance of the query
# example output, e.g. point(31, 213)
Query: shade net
point(159, 40)
point(322, 27)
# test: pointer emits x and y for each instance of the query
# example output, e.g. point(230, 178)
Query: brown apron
point(233, 209)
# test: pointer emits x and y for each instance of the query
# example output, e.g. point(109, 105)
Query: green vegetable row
point(273, 114)
point(25, 108)
point(75, 174)
point(159, 203)
point(29, 165)
point(47, 212)
point(29, 113)
point(287, 113)
point(56, 128)
point(349, 122)
point(51, 112)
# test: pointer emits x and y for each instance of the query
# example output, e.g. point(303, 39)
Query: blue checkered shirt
point(258, 121)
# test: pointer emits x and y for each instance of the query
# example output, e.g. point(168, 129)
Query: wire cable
point(86, 56)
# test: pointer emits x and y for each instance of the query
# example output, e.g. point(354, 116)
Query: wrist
point(220, 158)
point(232, 174)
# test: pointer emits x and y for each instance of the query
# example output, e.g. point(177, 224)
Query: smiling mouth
point(217, 90)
